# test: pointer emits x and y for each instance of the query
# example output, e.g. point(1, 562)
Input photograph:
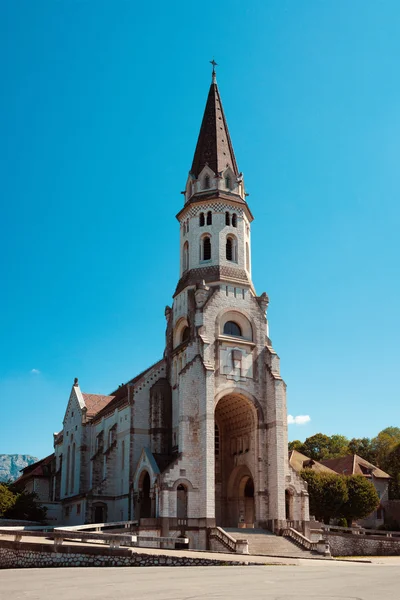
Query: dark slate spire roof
point(214, 144)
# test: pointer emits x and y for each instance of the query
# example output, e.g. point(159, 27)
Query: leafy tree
point(338, 446)
point(317, 446)
point(26, 507)
point(384, 443)
point(362, 500)
point(296, 445)
point(364, 448)
point(7, 499)
point(327, 494)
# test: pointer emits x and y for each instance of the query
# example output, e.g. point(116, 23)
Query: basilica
point(199, 439)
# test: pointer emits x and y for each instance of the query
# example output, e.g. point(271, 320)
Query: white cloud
point(35, 371)
point(299, 420)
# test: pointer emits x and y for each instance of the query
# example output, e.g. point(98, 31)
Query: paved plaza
point(308, 580)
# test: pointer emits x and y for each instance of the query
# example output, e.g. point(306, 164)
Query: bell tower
point(215, 219)
point(229, 420)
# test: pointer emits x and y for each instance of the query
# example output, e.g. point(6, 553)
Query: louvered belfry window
point(207, 248)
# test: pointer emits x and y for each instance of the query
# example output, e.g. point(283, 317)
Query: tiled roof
point(352, 464)
point(95, 403)
point(214, 145)
point(120, 394)
point(212, 273)
point(300, 461)
point(36, 469)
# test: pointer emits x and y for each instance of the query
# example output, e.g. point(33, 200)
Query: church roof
point(212, 273)
point(95, 403)
point(214, 145)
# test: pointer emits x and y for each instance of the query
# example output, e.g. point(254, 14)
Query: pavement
point(308, 580)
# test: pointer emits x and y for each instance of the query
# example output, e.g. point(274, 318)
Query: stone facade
point(200, 438)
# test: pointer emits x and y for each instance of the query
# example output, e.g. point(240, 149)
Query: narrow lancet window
point(209, 218)
point(201, 220)
point(234, 220)
point(206, 254)
point(227, 218)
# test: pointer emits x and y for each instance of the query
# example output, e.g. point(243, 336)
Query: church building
point(199, 439)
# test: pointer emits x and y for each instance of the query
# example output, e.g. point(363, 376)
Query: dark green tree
point(362, 500)
point(317, 446)
point(327, 494)
point(364, 448)
point(26, 507)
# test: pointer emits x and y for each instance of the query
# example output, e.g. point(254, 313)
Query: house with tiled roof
point(299, 462)
point(199, 439)
point(352, 464)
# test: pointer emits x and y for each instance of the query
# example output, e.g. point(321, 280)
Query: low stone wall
point(14, 555)
point(347, 544)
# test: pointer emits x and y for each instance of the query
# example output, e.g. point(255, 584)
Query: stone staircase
point(265, 543)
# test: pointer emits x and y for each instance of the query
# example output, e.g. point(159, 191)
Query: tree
point(317, 446)
point(7, 499)
point(364, 448)
point(338, 446)
point(296, 445)
point(327, 494)
point(26, 507)
point(384, 443)
point(362, 500)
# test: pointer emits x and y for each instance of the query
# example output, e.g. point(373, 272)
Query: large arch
point(236, 454)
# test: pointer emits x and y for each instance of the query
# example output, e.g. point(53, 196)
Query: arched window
point(201, 220)
point(206, 249)
point(234, 221)
point(247, 257)
point(206, 182)
point(67, 479)
point(185, 335)
point(73, 469)
point(232, 328)
point(181, 502)
point(231, 249)
point(228, 182)
point(227, 218)
point(187, 225)
point(185, 257)
point(209, 218)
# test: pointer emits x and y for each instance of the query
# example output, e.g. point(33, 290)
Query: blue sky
point(100, 108)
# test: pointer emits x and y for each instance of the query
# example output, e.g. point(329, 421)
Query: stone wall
point(14, 555)
point(342, 544)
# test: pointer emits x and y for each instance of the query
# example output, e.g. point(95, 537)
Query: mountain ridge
point(11, 465)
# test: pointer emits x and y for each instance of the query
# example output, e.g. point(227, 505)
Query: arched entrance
point(289, 505)
point(235, 461)
point(145, 500)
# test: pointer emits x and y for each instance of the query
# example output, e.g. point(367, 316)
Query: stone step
point(265, 543)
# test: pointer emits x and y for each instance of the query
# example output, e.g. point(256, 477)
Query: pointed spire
point(214, 146)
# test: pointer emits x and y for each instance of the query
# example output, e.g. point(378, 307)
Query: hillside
point(11, 464)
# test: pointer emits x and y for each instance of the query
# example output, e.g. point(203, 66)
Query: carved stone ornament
point(75, 381)
point(201, 294)
point(263, 301)
point(167, 312)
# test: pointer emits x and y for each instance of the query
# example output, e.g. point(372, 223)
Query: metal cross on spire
point(214, 75)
